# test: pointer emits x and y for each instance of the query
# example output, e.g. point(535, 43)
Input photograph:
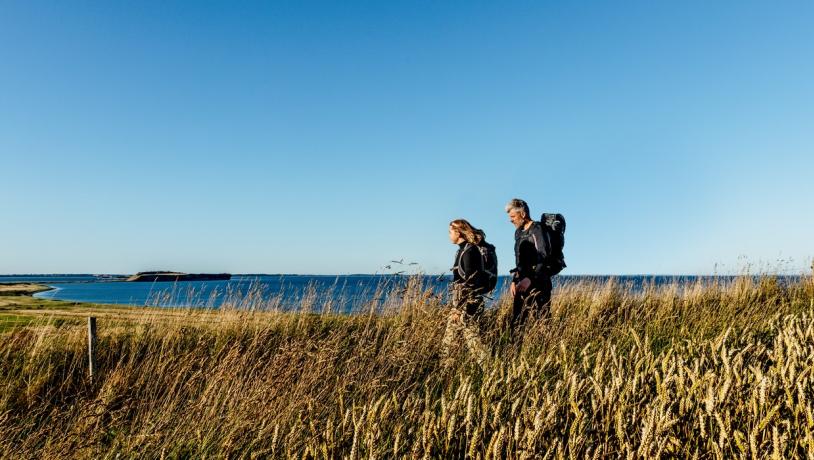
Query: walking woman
point(470, 282)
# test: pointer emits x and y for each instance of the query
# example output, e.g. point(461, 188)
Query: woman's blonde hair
point(469, 233)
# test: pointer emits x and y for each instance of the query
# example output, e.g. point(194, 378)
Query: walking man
point(531, 282)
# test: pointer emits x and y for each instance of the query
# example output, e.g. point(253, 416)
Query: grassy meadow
point(715, 370)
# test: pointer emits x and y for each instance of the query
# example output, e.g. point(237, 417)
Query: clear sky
point(332, 137)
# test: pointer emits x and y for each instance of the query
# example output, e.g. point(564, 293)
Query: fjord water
point(346, 293)
point(286, 292)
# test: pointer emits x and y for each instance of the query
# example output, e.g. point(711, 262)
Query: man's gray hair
point(517, 205)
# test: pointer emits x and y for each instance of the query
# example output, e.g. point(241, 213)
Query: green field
point(706, 371)
point(18, 308)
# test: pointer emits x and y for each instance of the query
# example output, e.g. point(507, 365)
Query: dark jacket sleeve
point(471, 266)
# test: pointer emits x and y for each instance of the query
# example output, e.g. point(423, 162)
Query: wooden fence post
point(91, 346)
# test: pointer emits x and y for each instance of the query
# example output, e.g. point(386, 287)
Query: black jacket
point(468, 270)
point(530, 249)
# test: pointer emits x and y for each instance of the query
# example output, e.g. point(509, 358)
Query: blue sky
point(332, 137)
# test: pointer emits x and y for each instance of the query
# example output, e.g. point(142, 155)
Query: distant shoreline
point(19, 289)
point(112, 276)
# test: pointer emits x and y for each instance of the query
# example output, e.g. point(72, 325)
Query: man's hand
point(512, 289)
point(523, 284)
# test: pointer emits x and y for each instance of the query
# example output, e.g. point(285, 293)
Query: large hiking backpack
point(553, 226)
point(488, 255)
point(488, 281)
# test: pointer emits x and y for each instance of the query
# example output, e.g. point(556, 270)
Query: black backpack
point(488, 281)
point(553, 226)
point(488, 255)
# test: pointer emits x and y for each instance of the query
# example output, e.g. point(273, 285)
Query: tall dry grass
point(709, 371)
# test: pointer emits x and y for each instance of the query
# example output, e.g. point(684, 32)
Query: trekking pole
point(91, 346)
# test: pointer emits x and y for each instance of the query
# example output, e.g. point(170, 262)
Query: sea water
point(338, 293)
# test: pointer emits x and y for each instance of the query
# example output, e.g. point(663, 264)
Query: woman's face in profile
point(454, 235)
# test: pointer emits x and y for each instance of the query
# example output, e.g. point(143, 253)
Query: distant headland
point(177, 276)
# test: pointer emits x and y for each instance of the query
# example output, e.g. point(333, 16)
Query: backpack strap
point(458, 262)
point(546, 244)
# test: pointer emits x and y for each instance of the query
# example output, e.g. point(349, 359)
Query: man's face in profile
point(517, 218)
